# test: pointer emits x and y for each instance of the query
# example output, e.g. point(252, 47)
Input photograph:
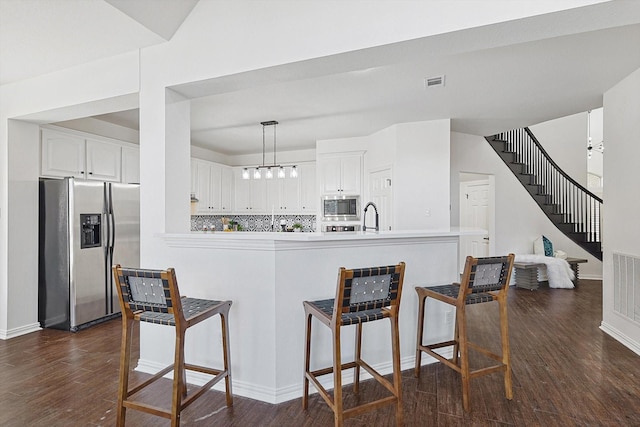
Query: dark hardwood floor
point(566, 373)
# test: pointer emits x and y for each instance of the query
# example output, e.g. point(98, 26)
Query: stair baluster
point(573, 209)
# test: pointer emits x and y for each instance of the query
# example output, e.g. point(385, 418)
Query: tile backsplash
point(253, 222)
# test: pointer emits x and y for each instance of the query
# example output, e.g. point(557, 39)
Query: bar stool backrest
point(369, 288)
point(153, 291)
point(488, 274)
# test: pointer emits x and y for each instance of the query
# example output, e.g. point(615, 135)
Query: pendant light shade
point(272, 168)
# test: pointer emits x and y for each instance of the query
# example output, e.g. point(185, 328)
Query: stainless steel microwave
point(341, 208)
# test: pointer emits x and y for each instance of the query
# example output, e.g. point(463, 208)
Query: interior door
point(382, 195)
point(475, 212)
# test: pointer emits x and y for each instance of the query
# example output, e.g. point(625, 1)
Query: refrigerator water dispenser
point(90, 231)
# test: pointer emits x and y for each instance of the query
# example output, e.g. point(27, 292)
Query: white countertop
point(238, 238)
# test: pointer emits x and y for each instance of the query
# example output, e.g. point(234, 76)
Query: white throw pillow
point(538, 246)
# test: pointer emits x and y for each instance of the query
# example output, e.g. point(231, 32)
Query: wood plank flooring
point(566, 373)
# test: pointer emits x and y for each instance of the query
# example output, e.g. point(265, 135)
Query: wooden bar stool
point(152, 296)
point(362, 295)
point(483, 280)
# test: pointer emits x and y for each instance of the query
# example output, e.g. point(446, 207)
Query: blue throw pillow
point(548, 246)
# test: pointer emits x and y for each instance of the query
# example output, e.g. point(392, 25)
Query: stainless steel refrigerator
point(85, 228)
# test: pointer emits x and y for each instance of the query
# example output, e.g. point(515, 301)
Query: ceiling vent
point(436, 81)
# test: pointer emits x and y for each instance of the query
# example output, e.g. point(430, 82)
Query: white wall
point(421, 191)
point(418, 154)
point(218, 38)
point(565, 140)
point(596, 162)
point(622, 199)
point(86, 90)
point(102, 128)
point(518, 219)
point(24, 143)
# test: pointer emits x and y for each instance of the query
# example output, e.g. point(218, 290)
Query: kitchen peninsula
point(269, 275)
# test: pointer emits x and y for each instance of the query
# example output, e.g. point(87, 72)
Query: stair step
point(543, 197)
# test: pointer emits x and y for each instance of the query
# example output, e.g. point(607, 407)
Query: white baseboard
point(22, 330)
point(590, 276)
point(291, 392)
point(622, 338)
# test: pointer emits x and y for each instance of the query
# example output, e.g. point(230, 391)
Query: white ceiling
point(41, 36)
point(497, 77)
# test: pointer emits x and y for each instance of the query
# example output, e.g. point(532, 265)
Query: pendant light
point(274, 169)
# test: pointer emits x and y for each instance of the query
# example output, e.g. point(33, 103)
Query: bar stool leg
point(421, 302)
point(337, 379)
point(179, 381)
point(307, 364)
point(397, 374)
point(456, 338)
point(125, 360)
point(506, 357)
point(226, 351)
point(356, 369)
point(464, 358)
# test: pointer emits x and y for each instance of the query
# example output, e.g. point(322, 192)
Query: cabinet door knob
point(90, 173)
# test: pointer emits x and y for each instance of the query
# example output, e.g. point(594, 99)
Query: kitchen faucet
point(364, 219)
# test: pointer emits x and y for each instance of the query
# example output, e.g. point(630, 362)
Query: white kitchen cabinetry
point(308, 190)
point(250, 195)
point(104, 161)
point(283, 195)
point(65, 155)
point(341, 173)
point(130, 165)
point(213, 187)
point(277, 195)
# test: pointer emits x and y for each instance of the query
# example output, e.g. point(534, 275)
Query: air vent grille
point(435, 81)
point(626, 286)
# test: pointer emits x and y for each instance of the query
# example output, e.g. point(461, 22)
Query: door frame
point(464, 179)
point(382, 168)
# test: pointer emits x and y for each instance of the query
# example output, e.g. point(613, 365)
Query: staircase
point(573, 209)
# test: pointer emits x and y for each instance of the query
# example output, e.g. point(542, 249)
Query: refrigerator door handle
point(107, 248)
point(112, 241)
point(107, 225)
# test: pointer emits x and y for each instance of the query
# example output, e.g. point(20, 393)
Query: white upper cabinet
point(308, 189)
point(212, 185)
point(130, 165)
point(221, 189)
point(250, 195)
point(283, 195)
point(340, 173)
point(226, 189)
point(77, 155)
point(258, 196)
point(62, 155)
point(104, 161)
